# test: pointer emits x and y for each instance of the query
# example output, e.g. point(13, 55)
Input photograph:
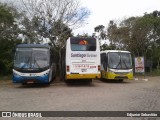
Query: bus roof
point(80, 38)
point(106, 51)
point(33, 46)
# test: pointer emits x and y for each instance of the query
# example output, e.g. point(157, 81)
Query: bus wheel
point(66, 81)
point(48, 84)
point(120, 80)
point(89, 81)
point(24, 83)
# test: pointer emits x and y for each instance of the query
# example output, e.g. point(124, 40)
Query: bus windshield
point(82, 44)
point(120, 60)
point(31, 58)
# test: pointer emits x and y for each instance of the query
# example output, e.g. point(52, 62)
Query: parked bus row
point(82, 59)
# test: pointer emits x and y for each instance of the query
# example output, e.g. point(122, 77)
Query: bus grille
point(121, 73)
point(121, 77)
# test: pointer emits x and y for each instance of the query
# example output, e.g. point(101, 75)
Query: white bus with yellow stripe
point(82, 59)
point(116, 65)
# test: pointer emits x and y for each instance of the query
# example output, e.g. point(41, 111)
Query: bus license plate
point(30, 82)
point(84, 70)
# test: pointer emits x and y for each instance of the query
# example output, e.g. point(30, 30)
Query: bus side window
point(91, 48)
point(103, 60)
point(106, 61)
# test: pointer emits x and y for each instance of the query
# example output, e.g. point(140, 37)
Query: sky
point(102, 11)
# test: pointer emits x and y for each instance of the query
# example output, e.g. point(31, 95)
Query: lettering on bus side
point(83, 55)
point(91, 55)
point(78, 55)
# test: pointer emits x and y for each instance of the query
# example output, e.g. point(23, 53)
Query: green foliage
point(38, 21)
point(140, 35)
point(51, 19)
point(5, 15)
point(61, 32)
point(4, 78)
point(8, 38)
point(107, 47)
point(101, 30)
point(155, 72)
point(84, 35)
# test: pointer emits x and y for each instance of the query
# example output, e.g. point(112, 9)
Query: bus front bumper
point(42, 77)
point(82, 76)
point(111, 75)
point(19, 79)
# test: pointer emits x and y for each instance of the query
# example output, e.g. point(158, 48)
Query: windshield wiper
point(125, 64)
point(118, 64)
point(119, 61)
point(113, 64)
point(35, 61)
point(26, 63)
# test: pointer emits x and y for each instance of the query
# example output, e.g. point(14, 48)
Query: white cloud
point(102, 11)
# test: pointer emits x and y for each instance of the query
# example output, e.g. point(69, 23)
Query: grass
point(155, 72)
point(6, 77)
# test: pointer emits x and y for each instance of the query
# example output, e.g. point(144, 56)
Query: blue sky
point(102, 11)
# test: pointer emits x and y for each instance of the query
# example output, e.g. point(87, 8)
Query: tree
point(44, 14)
point(9, 32)
point(100, 29)
point(111, 32)
point(107, 47)
point(84, 35)
point(52, 20)
point(140, 35)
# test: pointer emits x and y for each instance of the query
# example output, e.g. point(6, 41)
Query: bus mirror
point(67, 68)
point(99, 67)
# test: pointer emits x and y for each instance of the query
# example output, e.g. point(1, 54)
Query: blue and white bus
point(33, 63)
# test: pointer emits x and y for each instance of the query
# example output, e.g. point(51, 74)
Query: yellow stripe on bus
point(82, 76)
point(110, 75)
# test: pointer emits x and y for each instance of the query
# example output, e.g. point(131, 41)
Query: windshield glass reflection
point(31, 58)
point(120, 60)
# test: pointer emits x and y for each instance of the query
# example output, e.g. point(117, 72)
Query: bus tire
point(47, 84)
point(89, 81)
point(120, 80)
point(24, 83)
point(65, 80)
point(68, 81)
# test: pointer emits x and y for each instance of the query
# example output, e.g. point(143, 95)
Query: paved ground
point(135, 95)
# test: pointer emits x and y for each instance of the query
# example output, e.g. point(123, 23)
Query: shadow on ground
point(114, 81)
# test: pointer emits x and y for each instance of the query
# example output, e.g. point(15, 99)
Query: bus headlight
point(15, 73)
point(46, 73)
point(110, 71)
point(131, 71)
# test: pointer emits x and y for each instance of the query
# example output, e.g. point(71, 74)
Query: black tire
point(120, 80)
point(89, 81)
point(24, 83)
